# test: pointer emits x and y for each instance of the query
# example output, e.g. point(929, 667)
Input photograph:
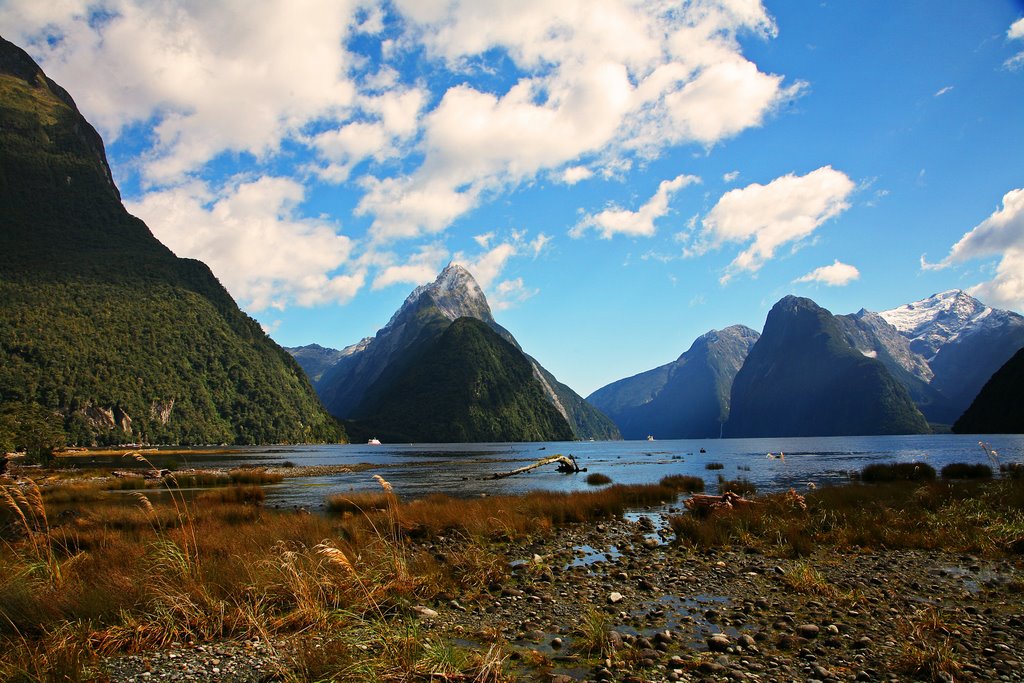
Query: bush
point(1013, 470)
point(598, 479)
point(897, 471)
point(961, 470)
point(714, 466)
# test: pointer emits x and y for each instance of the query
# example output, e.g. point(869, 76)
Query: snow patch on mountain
point(933, 322)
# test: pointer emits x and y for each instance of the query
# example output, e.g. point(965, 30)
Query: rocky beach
point(623, 600)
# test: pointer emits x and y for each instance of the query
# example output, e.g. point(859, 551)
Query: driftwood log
point(566, 464)
point(727, 501)
point(703, 503)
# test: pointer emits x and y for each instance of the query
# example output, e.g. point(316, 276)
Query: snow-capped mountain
point(940, 319)
point(963, 342)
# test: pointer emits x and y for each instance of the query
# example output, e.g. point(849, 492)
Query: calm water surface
point(462, 469)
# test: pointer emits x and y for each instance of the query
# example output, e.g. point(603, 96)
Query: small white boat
point(650, 437)
point(374, 441)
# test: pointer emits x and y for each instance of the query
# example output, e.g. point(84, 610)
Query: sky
point(619, 176)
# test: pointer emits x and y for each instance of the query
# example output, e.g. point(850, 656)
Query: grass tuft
point(598, 479)
point(960, 470)
point(897, 471)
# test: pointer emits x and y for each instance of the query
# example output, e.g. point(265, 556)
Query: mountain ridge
point(100, 323)
point(803, 378)
point(426, 313)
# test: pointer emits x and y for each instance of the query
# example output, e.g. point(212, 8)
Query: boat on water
point(650, 437)
point(374, 441)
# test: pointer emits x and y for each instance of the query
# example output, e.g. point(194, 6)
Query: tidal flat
point(915, 579)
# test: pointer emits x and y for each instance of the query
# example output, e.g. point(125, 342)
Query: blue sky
point(620, 176)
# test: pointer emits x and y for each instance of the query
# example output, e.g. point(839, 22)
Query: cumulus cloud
point(602, 79)
point(836, 275)
point(216, 76)
point(640, 223)
point(1002, 235)
point(787, 209)
point(249, 233)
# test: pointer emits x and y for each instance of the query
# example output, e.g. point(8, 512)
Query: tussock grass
point(598, 479)
point(683, 482)
point(357, 502)
point(714, 466)
point(740, 486)
point(84, 576)
point(897, 471)
point(976, 516)
point(960, 470)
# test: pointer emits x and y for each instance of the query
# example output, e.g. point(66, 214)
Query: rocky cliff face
point(426, 313)
point(685, 399)
point(803, 378)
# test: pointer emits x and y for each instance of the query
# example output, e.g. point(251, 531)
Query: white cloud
point(1015, 32)
point(250, 235)
point(1002, 235)
point(217, 76)
point(539, 243)
point(639, 223)
point(422, 267)
point(575, 174)
point(942, 91)
point(603, 79)
point(787, 209)
point(835, 275)
point(510, 293)
point(484, 239)
point(730, 176)
point(487, 267)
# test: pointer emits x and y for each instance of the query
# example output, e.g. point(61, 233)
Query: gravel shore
point(676, 614)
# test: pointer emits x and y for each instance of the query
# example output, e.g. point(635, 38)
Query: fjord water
point(417, 470)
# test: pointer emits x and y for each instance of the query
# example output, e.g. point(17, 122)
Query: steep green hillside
point(100, 321)
point(999, 408)
point(803, 378)
point(467, 384)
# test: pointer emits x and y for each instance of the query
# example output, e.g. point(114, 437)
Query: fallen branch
point(565, 464)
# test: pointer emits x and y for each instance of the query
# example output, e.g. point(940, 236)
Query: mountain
point(685, 399)
point(468, 384)
point(803, 378)
point(962, 340)
point(99, 321)
point(999, 407)
point(424, 316)
point(870, 334)
point(315, 359)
